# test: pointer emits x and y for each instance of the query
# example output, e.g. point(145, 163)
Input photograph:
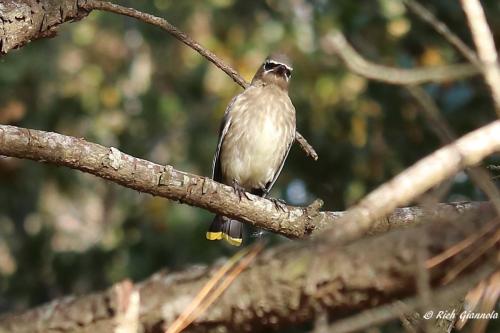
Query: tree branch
point(336, 43)
point(21, 22)
point(485, 45)
point(433, 116)
point(24, 21)
point(443, 30)
point(467, 151)
point(186, 39)
point(165, 181)
point(288, 284)
point(163, 24)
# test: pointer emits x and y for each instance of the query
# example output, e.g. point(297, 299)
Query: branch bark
point(24, 21)
point(287, 285)
point(165, 181)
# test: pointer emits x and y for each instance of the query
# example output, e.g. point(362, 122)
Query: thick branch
point(467, 151)
point(24, 21)
point(337, 43)
point(286, 286)
point(155, 179)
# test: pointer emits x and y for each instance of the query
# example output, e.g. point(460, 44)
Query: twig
point(460, 246)
point(443, 30)
point(186, 39)
point(240, 267)
point(171, 29)
point(481, 298)
point(485, 45)
point(308, 149)
point(336, 42)
point(201, 301)
point(483, 248)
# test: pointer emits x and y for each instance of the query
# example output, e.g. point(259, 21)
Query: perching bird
point(256, 133)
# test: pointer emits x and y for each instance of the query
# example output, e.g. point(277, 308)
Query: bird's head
point(276, 69)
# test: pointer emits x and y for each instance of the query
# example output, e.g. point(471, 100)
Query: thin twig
point(184, 319)
point(460, 246)
point(481, 34)
point(171, 29)
point(308, 149)
point(241, 265)
point(483, 248)
point(186, 39)
point(443, 30)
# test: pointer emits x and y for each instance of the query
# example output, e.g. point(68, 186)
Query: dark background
point(119, 82)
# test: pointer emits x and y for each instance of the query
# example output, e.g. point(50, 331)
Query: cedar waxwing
point(255, 136)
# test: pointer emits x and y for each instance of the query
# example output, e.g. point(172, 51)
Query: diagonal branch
point(186, 39)
point(481, 34)
point(336, 43)
point(22, 22)
point(467, 151)
point(90, 5)
point(443, 30)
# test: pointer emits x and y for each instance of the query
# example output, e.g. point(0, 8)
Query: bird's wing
point(270, 184)
point(224, 127)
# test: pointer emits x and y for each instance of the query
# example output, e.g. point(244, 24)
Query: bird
point(255, 136)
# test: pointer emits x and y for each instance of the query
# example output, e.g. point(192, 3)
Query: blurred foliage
point(122, 83)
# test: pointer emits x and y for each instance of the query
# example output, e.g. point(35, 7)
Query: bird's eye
point(269, 65)
point(288, 73)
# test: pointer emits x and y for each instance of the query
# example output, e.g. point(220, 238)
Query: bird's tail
point(227, 229)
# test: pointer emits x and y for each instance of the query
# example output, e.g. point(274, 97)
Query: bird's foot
point(240, 190)
point(279, 204)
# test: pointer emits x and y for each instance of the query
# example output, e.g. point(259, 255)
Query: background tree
point(122, 83)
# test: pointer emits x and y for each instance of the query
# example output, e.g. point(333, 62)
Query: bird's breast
point(261, 130)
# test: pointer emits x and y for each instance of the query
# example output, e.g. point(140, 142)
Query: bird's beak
point(281, 70)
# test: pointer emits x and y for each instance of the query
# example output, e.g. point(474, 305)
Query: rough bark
point(286, 286)
point(165, 181)
point(24, 21)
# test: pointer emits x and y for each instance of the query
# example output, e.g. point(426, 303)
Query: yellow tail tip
point(214, 235)
point(232, 240)
point(220, 235)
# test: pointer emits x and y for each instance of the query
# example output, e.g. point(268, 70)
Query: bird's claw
point(279, 204)
point(238, 189)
